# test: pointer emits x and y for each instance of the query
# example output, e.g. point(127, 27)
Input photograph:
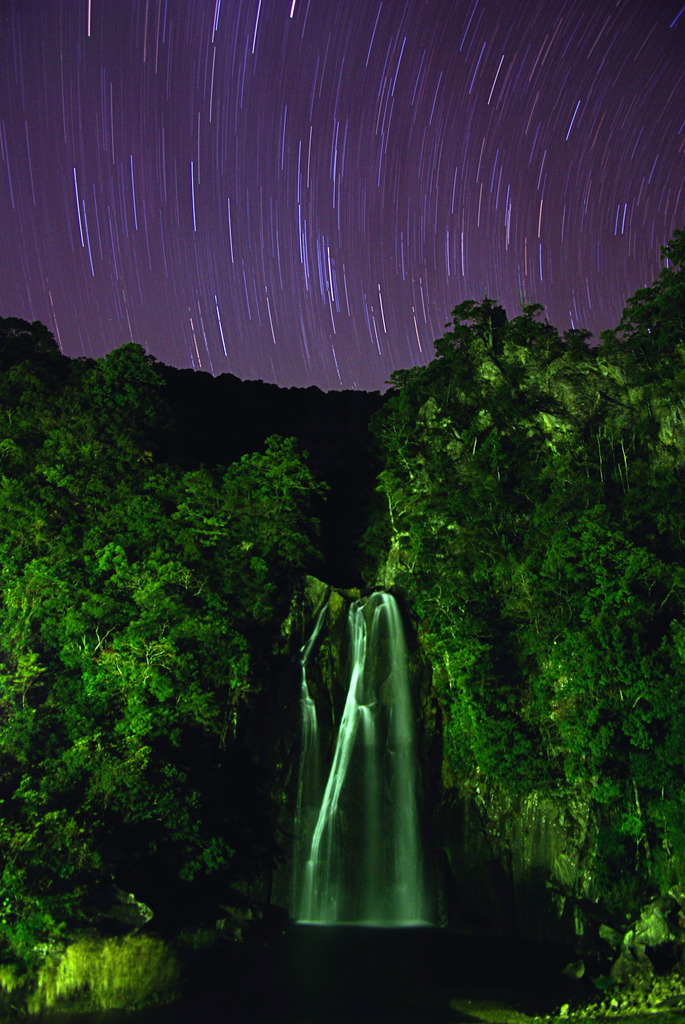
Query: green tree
point(138, 606)
point(650, 335)
point(534, 489)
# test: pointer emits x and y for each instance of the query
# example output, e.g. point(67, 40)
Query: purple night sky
point(302, 190)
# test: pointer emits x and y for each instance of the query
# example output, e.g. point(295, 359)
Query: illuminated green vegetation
point(535, 488)
point(136, 619)
point(532, 492)
point(114, 973)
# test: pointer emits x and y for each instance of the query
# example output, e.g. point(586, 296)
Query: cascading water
point(309, 778)
point(358, 859)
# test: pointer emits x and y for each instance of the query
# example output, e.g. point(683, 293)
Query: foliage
point(534, 488)
point(136, 603)
point(112, 973)
point(650, 336)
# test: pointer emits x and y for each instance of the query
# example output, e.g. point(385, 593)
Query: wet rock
point(677, 893)
point(575, 970)
point(610, 935)
point(518, 862)
point(652, 928)
point(129, 912)
point(633, 968)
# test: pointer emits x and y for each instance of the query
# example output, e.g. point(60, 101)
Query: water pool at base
point(315, 974)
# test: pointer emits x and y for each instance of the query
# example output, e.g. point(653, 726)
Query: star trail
point(302, 190)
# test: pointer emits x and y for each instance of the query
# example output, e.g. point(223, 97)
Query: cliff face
point(516, 865)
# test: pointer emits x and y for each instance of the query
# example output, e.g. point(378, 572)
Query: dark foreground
point(349, 975)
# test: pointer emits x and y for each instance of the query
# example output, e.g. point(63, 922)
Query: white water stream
point(358, 859)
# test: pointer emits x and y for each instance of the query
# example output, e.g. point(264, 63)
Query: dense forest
point(535, 491)
point(152, 532)
point(523, 492)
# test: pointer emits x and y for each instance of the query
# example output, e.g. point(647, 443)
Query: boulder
point(652, 928)
point(633, 968)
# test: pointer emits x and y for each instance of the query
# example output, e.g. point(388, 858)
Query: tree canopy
point(534, 487)
point(136, 603)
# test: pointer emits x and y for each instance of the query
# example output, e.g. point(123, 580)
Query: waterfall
point(359, 856)
point(309, 776)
